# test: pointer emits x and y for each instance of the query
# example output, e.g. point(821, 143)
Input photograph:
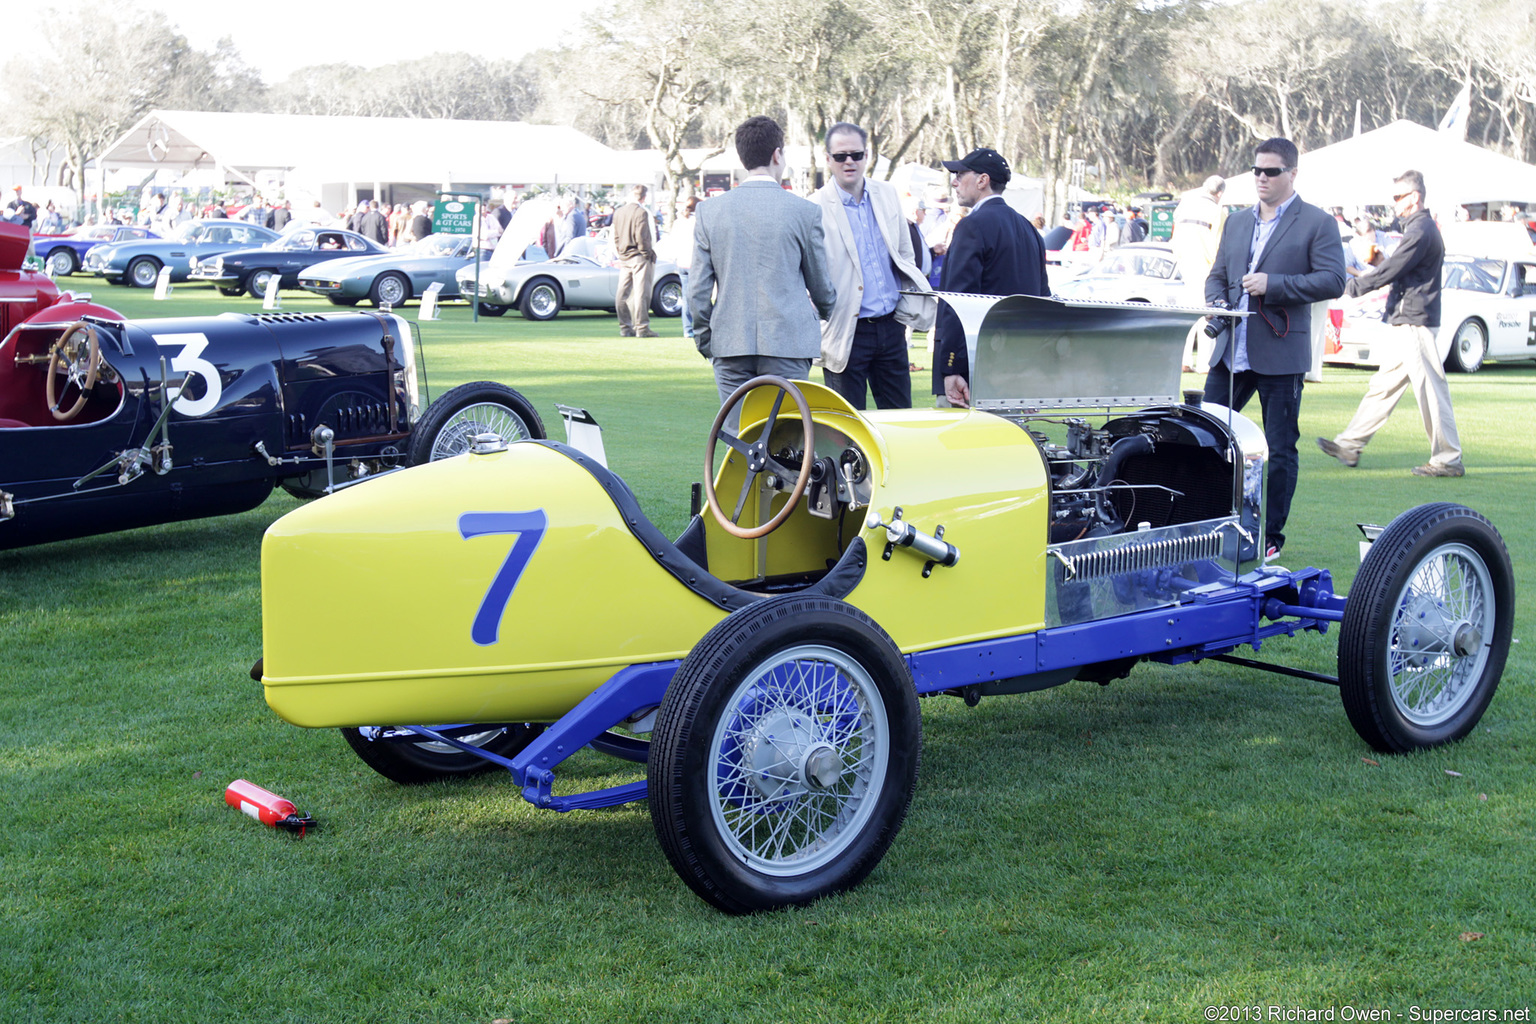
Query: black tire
point(256, 282)
point(62, 262)
point(491, 309)
point(390, 289)
point(451, 423)
point(1426, 629)
point(1469, 347)
point(413, 763)
point(230, 293)
point(337, 300)
point(765, 793)
point(541, 299)
point(667, 297)
point(142, 272)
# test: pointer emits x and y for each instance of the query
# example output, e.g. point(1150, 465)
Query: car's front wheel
point(337, 300)
point(143, 272)
point(390, 290)
point(61, 262)
point(1426, 629)
point(541, 300)
point(667, 297)
point(784, 756)
point(1468, 348)
point(411, 763)
point(479, 407)
point(229, 292)
point(256, 284)
point(492, 309)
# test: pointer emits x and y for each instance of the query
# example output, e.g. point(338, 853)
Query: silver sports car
point(541, 290)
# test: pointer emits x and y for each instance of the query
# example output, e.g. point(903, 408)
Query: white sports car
point(1487, 311)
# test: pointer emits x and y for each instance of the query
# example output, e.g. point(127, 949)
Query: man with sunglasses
point(1413, 311)
point(1274, 261)
point(871, 260)
point(994, 251)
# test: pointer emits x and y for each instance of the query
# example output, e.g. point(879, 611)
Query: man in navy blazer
point(994, 251)
point(1274, 261)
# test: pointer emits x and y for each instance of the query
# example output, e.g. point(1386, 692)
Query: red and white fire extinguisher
point(266, 807)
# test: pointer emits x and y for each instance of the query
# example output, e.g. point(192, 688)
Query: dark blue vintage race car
point(108, 424)
point(249, 270)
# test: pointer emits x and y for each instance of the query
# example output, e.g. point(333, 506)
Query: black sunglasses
point(1270, 172)
point(1401, 196)
point(840, 157)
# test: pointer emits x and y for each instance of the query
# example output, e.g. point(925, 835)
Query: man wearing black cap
point(994, 251)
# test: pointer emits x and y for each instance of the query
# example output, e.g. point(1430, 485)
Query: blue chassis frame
point(1244, 610)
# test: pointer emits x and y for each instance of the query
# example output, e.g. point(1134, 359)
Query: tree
point(118, 67)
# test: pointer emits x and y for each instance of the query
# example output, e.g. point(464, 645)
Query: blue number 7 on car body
point(529, 527)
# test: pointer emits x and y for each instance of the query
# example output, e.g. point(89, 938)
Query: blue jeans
point(1280, 399)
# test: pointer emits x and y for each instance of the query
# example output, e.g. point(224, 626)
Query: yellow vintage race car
point(766, 665)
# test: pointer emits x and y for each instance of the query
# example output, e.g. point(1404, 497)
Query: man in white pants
point(1413, 310)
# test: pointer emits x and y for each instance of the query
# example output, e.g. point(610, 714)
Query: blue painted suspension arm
point(629, 690)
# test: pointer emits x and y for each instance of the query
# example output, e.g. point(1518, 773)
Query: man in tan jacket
point(634, 244)
point(870, 258)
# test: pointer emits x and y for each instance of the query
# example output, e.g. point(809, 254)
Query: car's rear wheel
point(1468, 348)
point(256, 283)
point(541, 300)
point(785, 755)
point(1426, 629)
point(667, 297)
point(62, 262)
point(389, 290)
point(452, 422)
point(143, 272)
point(411, 763)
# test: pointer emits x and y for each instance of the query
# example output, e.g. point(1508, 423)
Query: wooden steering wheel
point(77, 357)
point(758, 458)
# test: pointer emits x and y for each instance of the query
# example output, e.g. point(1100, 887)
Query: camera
point(1215, 325)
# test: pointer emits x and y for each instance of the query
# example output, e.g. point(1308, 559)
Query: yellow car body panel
point(591, 600)
point(396, 646)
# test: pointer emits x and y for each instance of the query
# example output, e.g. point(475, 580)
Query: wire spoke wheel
point(803, 743)
point(1426, 629)
point(451, 423)
point(784, 756)
point(1437, 652)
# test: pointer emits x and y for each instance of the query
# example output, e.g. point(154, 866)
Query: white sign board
point(163, 284)
point(271, 301)
point(428, 310)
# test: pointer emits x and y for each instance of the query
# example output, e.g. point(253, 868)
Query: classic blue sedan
point(250, 270)
point(137, 263)
point(63, 254)
point(392, 278)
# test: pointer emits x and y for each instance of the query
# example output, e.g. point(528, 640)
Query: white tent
point(312, 150)
point(1359, 171)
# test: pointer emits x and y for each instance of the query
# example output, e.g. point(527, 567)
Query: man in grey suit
point(1274, 261)
point(759, 285)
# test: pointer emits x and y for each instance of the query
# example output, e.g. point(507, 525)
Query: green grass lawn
point(1186, 838)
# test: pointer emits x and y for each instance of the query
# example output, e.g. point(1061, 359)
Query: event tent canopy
point(368, 149)
point(1359, 171)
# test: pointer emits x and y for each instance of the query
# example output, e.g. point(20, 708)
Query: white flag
point(1455, 120)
